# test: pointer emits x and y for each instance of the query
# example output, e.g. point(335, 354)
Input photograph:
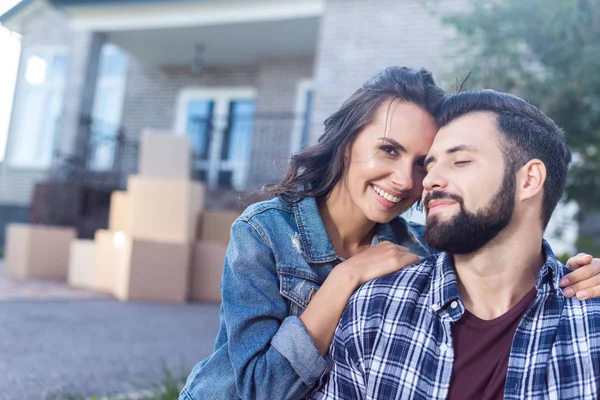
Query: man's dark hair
point(528, 134)
point(314, 171)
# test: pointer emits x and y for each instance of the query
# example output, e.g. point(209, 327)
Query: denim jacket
point(277, 258)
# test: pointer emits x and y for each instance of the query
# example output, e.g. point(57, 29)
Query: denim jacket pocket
point(298, 288)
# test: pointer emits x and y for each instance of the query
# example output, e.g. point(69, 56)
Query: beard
point(467, 232)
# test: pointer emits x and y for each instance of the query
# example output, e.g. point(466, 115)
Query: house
point(250, 81)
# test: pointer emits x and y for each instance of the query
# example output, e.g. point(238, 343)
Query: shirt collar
point(444, 285)
point(552, 271)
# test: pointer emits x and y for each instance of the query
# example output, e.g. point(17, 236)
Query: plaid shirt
point(394, 339)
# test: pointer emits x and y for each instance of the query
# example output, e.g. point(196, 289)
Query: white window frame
point(17, 124)
point(302, 88)
point(222, 97)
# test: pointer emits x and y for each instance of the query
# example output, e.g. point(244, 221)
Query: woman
point(337, 206)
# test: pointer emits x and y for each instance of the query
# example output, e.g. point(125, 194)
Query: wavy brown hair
point(314, 171)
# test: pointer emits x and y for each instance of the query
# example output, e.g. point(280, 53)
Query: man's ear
point(531, 178)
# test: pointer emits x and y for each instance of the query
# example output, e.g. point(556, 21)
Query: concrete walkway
point(56, 341)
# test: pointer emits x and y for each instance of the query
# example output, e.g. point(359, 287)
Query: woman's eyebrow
point(395, 143)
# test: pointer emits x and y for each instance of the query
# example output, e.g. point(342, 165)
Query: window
point(200, 114)
point(107, 110)
point(301, 130)
point(39, 107)
point(220, 124)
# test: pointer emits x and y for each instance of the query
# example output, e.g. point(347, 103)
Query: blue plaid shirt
point(394, 339)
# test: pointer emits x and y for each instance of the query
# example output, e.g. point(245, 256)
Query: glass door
point(219, 123)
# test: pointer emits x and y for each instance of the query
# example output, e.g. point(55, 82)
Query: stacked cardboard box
point(153, 224)
point(38, 251)
point(82, 264)
point(209, 254)
point(160, 244)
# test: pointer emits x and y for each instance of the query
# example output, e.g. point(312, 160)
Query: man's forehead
point(476, 129)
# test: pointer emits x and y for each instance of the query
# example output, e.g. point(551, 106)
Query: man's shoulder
point(587, 309)
point(574, 306)
point(406, 285)
point(578, 318)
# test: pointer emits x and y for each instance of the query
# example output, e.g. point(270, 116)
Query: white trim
point(173, 15)
point(302, 88)
point(17, 22)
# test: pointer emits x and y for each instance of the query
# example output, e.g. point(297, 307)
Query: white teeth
point(386, 195)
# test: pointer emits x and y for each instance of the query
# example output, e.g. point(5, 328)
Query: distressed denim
point(277, 258)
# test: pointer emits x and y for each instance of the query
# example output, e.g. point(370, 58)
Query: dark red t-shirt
point(481, 352)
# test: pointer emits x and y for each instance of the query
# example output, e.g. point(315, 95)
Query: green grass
point(167, 388)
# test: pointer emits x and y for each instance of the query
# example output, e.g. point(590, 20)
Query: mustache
point(437, 195)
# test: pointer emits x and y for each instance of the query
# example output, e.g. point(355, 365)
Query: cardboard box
point(82, 264)
point(153, 271)
point(107, 256)
point(119, 215)
point(215, 226)
point(38, 251)
point(164, 210)
point(164, 155)
point(207, 271)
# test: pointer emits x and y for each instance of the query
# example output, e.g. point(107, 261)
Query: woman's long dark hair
point(314, 171)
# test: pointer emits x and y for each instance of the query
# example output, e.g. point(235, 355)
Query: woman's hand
point(584, 281)
point(327, 305)
point(382, 259)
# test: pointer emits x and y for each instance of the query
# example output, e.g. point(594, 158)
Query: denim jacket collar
point(315, 239)
point(384, 233)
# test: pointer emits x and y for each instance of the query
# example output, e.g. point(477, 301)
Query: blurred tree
point(548, 52)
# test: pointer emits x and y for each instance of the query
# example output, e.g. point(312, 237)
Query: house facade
point(249, 81)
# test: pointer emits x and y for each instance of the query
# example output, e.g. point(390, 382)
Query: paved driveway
point(61, 341)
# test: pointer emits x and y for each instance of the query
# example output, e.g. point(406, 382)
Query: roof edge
point(69, 3)
point(13, 12)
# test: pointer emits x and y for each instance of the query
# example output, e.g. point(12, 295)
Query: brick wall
point(152, 92)
point(357, 39)
point(277, 81)
point(361, 37)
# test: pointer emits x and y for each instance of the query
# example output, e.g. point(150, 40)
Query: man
point(485, 319)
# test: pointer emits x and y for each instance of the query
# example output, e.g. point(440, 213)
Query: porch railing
point(223, 150)
point(97, 160)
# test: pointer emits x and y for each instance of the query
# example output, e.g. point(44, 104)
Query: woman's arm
point(272, 355)
point(322, 315)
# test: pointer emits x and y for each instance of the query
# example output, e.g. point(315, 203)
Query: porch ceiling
point(225, 44)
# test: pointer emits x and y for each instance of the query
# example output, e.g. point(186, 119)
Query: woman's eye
point(461, 163)
point(388, 149)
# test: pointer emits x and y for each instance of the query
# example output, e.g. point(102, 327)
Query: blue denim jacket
point(277, 258)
